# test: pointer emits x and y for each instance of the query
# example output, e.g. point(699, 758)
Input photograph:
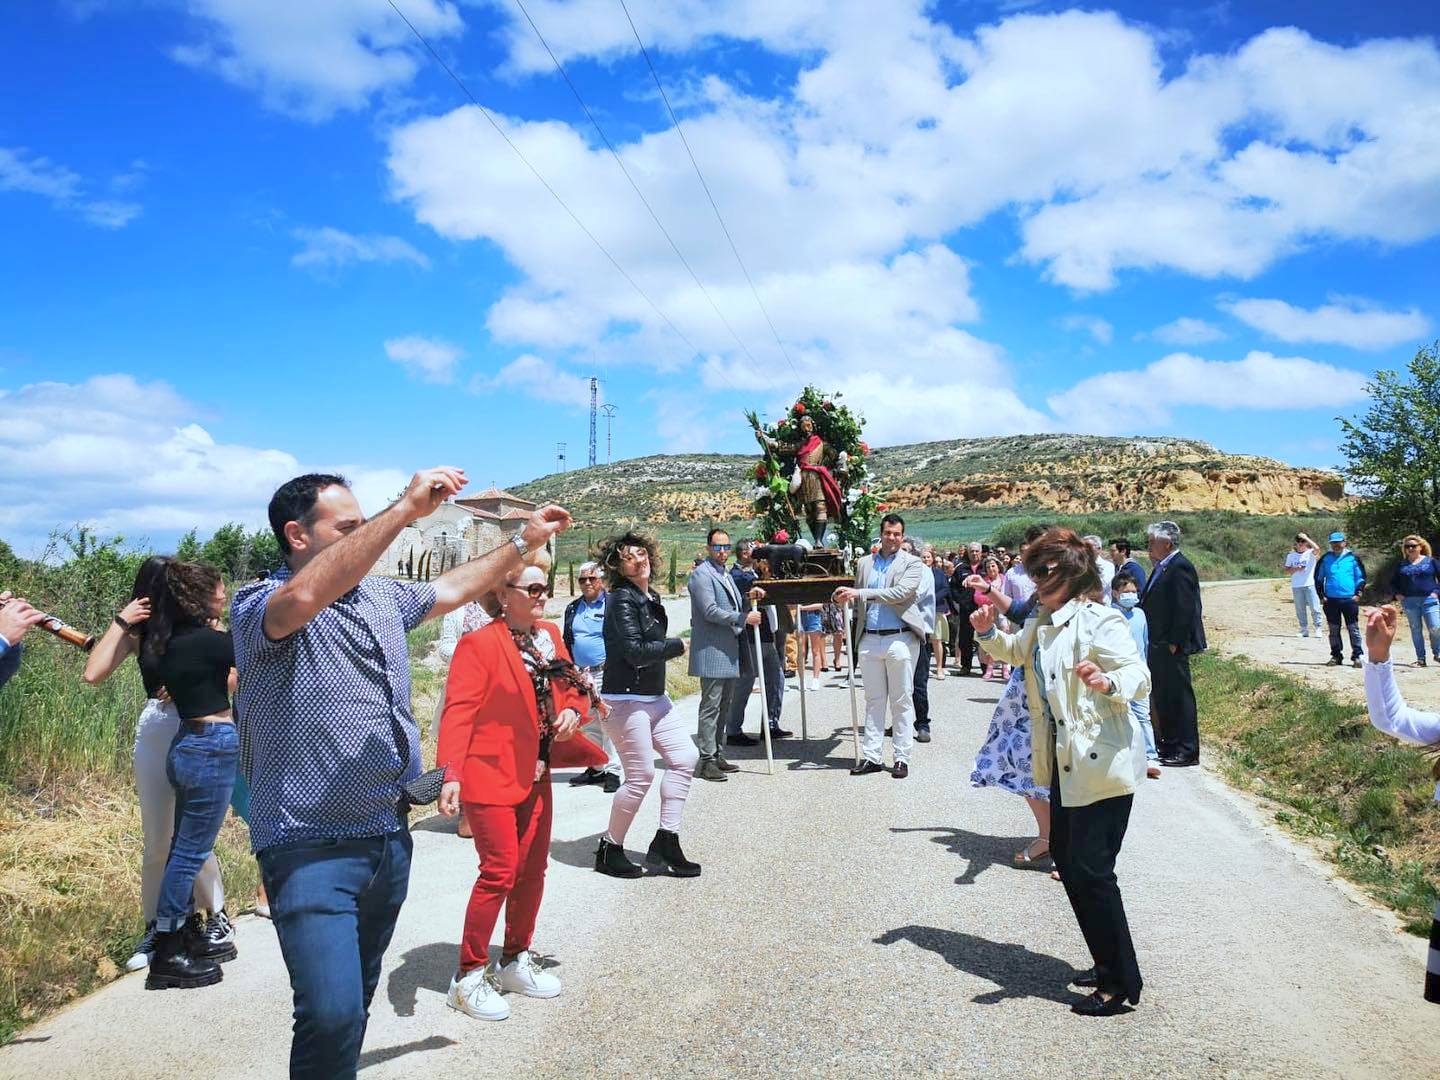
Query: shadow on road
point(430, 966)
point(579, 852)
point(390, 1053)
point(817, 752)
point(981, 850)
point(1016, 971)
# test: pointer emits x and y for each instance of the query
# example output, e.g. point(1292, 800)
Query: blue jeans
point(201, 768)
point(1307, 600)
point(1140, 710)
point(334, 904)
point(1426, 610)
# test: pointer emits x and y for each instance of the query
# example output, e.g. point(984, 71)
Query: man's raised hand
point(545, 523)
point(1380, 625)
point(431, 487)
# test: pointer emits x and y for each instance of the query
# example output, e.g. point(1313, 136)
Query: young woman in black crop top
point(155, 730)
point(182, 651)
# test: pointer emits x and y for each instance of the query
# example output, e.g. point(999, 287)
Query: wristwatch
point(519, 541)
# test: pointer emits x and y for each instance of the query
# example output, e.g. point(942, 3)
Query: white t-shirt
point(1303, 575)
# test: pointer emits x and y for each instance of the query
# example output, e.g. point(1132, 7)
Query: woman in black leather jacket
point(640, 723)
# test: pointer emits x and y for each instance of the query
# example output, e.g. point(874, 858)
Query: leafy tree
point(1393, 455)
point(226, 550)
point(670, 581)
point(190, 549)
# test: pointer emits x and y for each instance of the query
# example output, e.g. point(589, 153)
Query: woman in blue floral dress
point(1003, 760)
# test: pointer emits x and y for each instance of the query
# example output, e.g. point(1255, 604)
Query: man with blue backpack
point(1340, 579)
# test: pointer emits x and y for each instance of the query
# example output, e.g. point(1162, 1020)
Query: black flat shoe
point(589, 776)
point(781, 733)
point(610, 783)
point(611, 860)
point(1178, 762)
point(1087, 978)
point(741, 739)
point(867, 768)
point(1097, 1004)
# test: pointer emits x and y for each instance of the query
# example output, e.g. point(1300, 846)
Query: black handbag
point(423, 790)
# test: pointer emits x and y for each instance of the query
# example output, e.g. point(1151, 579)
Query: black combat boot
point(173, 968)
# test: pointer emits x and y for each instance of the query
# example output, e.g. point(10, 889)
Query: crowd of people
point(299, 716)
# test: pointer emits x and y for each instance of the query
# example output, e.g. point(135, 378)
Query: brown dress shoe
point(725, 766)
point(901, 770)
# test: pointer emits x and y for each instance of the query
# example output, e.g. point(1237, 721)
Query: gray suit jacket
point(901, 591)
point(717, 620)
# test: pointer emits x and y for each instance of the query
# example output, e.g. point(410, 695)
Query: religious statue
point(818, 490)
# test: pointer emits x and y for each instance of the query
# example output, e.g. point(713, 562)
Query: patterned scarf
point(542, 673)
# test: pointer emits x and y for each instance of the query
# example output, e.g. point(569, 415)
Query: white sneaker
point(475, 995)
point(143, 951)
point(521, 976)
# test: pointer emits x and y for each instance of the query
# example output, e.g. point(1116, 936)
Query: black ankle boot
point(173, 968)
point(610, 858)
point(665, 851)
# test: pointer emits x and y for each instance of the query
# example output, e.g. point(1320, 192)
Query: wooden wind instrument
point(63, 631)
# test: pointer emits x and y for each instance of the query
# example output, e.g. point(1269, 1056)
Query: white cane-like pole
point(801, 660)
point(850, 668)
point(764, 698)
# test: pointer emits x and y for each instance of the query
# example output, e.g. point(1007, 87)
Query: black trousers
point(965, 640)
point(1349, 610)
point(921, 694)
point(1084, 842)
point(1172, 704)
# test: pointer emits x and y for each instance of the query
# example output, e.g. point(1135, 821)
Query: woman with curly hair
point(195, 662)
point(136, 631)
point(641, 722)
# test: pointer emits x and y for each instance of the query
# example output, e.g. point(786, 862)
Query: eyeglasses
point(719, 547)
point(1409, 546)
point(535, 592)
point(587, 580)
point(1043, 572)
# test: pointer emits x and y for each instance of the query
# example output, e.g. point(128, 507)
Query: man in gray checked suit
point(887, 588)
point(718, 620)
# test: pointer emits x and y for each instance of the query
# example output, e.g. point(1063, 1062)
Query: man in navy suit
point(1171, 602)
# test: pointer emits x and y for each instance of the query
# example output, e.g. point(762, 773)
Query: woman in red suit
point(512, 693)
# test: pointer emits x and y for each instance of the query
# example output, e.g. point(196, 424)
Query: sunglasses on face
point(1043, 572)
point(588, 580)
point(535, 592)
point(719, 547)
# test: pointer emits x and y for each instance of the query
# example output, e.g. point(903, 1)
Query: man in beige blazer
point(886, 588)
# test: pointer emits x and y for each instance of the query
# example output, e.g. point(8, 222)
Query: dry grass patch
point(70, 889)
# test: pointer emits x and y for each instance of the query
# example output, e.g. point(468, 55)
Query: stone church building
point(457, 531)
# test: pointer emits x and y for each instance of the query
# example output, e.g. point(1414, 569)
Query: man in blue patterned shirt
point(329, 738)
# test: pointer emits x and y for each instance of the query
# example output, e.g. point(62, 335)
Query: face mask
point(1129, 599)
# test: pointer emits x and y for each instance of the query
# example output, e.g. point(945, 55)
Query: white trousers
point(154, 733)
point(888, 665)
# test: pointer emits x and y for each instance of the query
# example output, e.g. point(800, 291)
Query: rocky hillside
point(1063, 473)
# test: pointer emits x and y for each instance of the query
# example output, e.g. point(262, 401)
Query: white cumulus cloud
point(327, 249)
point(1360, 324)
point(65, 189)
point(1098, 328)
point(1186, 331)
point(311, 58)
point(430, 360)
point(1260, 381)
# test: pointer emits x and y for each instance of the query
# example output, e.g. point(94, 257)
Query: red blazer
point(490, 729)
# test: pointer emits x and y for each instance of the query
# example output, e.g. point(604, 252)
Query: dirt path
point(1257, 619)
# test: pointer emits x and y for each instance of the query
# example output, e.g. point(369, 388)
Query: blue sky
point(250, 237)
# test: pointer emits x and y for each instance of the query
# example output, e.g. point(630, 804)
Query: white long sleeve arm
point(1388, 710)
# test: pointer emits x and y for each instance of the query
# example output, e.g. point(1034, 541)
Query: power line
point(553, 193)
point(636, 187)
point(679, 130)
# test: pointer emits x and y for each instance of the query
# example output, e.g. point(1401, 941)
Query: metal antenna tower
point(609, 411)
point(559, 457)
point(594, 397)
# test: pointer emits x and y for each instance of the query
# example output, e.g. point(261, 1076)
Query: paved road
point(842, 927)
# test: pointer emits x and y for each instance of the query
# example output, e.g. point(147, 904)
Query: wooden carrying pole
point(801, 640)
point(764, 698)
point(850, 659)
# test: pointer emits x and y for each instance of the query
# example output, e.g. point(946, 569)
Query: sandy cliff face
point(1247, 490)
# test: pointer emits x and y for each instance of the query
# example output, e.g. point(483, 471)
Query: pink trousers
point(639, 729)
